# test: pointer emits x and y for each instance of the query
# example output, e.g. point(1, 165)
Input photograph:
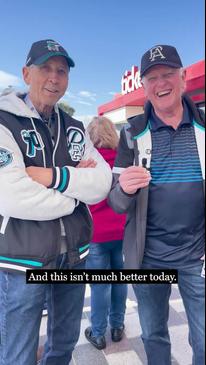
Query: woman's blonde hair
point(103, 133)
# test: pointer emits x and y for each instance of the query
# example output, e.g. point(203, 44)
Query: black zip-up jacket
point(135, 146)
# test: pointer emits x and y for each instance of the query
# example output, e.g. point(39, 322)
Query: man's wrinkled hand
point(42, 175)
point(134, 178)
point(87, 163)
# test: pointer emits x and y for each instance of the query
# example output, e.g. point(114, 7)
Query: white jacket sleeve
point(89, 185)
point(20, 196)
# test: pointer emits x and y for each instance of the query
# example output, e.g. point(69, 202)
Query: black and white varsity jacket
point(30, 214)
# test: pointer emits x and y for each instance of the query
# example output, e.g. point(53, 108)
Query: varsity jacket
point(135, 148)
point(30, 214)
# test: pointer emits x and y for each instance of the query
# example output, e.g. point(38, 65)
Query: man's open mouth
point(160, 94)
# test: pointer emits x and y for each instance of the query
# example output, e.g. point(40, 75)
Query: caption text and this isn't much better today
point(102, 276)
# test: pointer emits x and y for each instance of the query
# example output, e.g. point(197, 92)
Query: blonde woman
point(107, 300)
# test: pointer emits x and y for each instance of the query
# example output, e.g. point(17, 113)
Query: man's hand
point(42, 175)
point(87, 163)
point(134, 178)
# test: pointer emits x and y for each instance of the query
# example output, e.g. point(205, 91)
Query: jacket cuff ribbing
point(60, 179)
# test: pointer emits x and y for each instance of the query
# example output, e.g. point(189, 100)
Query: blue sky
point(104, 37)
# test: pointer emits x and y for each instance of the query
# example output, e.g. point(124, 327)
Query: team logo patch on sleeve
point(76, 143)
point(5, 157)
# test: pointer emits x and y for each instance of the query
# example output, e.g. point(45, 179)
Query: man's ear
point(143, 86)
point(26, 74)
point(183, 74)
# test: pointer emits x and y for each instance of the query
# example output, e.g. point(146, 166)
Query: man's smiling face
point(164, 86)
point(48, 82)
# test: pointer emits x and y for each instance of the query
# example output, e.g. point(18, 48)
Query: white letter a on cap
point(156, 52)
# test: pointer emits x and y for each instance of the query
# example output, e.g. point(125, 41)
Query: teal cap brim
point(45, 58)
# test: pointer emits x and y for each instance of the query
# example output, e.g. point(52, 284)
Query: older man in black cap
point(162, 192)
point(49, 171)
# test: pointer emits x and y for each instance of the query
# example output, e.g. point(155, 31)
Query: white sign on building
point(131, 80)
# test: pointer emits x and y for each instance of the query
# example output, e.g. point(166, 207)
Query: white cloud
point(7, 79)
point(88, 94)
point(84, 102)
point(112, 93)
point(80, 97)
point(69, 95)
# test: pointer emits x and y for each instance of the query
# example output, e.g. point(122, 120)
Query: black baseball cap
point(42, 50)
point(160, 55)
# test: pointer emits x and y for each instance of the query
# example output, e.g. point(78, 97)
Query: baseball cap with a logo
point(160, 55)
point(41, 51)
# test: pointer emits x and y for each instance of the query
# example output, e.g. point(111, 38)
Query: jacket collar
point(139, 123)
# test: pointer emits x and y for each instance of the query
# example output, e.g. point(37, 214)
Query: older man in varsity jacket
point(49, 171)
point(158, 181)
